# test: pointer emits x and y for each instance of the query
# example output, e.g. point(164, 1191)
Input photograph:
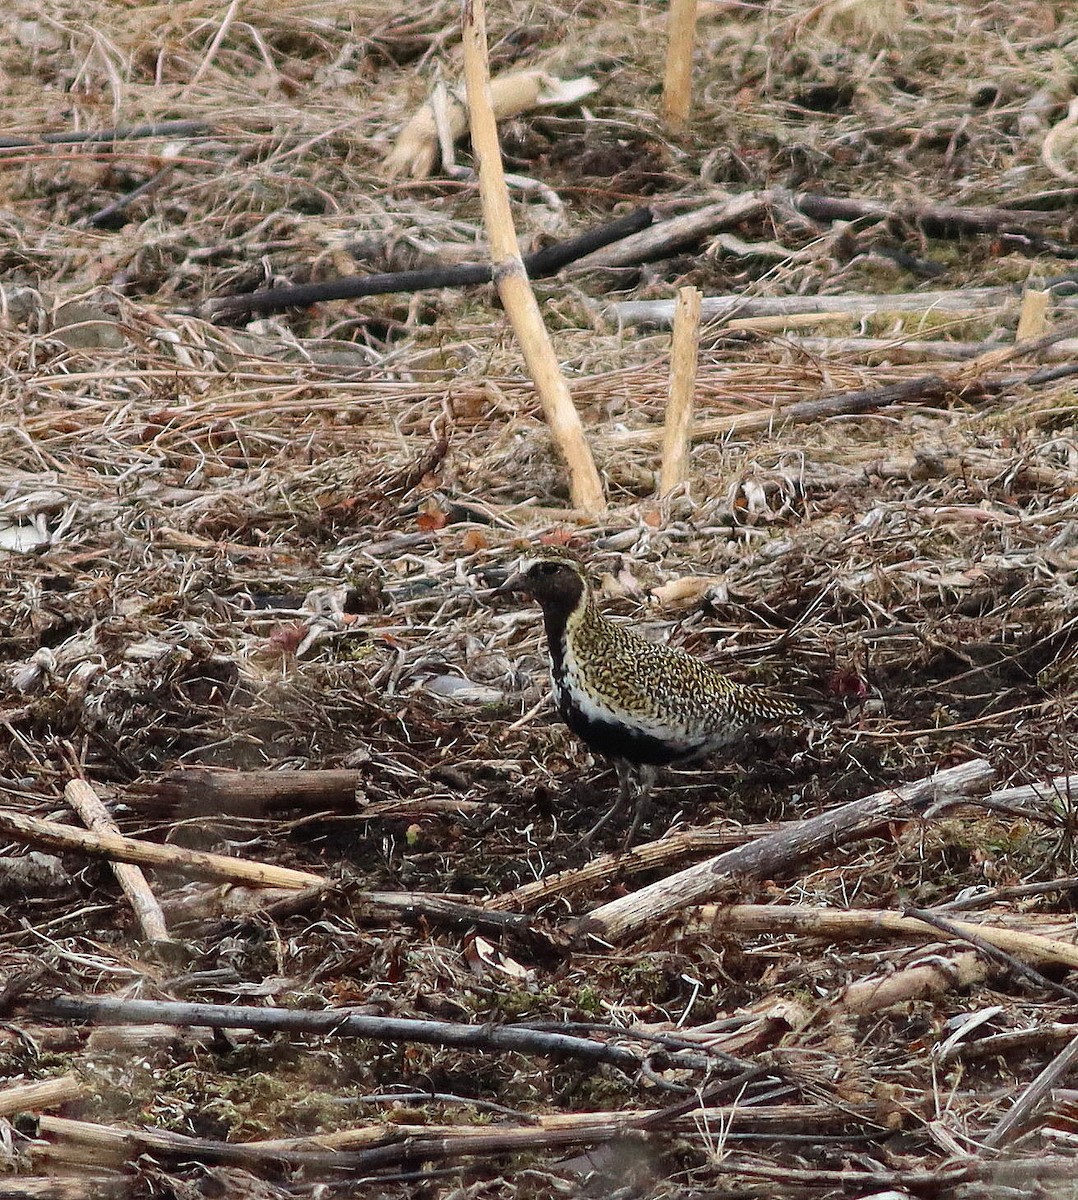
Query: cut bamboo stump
point(677, 82)
point(679, 406)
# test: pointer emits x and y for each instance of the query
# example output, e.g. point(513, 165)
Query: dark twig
point(122, 133)
point(538, 266)
point(333, 1023)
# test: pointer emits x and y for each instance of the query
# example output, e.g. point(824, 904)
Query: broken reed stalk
point(776, 854)
point(198, 864)
point(679, 406)
point(677, 82)
point(86, 802)
point(510, 277)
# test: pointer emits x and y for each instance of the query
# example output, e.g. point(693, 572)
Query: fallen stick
point(931, 388)
point(676, 232)
point(939, 220)
point(221, 792)
point(543, 263)
point(339, 1022)
point(719, 309)
point(100, 1185)
point(780, 852)
point(1032, 1098)
point(621, 864)
point(847, 924)
point(382, 1146)
point(198, 864)
point(86, 802)
point(510, 278)
point(122, 133)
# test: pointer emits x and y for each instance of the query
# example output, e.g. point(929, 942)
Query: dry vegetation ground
point(270, 547)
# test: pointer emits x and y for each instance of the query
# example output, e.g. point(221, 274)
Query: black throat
point(556, 621)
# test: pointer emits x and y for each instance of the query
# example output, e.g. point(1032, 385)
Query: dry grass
point(270, 546)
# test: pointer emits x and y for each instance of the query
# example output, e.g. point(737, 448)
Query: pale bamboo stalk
point(510, 277)
point(677, 82)
point(679, 406)
point(1033, 316)
point(198, 864)
point(45, 1093)
point(86, 802)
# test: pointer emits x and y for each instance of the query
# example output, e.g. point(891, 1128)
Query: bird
point(641, 704)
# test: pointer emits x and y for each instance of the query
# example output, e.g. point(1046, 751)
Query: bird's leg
point(645, 781)
point(624, 769)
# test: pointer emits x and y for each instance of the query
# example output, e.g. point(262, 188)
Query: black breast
point(614, 738)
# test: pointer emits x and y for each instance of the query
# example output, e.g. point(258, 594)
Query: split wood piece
point(416, 149)
point(720, 309)
point(384, 1146)
point(198, 864)
point(220, 792)
point(677, 81)
point(916, 982)
point(510, 278)
point(779, 853)
point(1033, 1098)
point(548, 261)
point(849, 924)
point(668, 236)
point(47, 1093)
point(677, 436)
point(339, 1022)
point(86, 802)
point(624, 864)
point(927, 388)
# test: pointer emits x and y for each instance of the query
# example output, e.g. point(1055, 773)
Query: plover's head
point(555, 583)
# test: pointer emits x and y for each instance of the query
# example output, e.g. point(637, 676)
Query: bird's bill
point(515, 583)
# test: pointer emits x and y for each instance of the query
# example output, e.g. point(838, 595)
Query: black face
point(555, 584)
